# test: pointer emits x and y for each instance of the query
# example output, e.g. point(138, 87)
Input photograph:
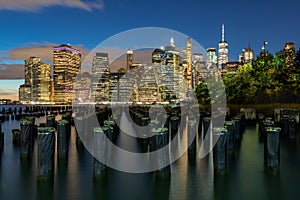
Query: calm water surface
point(73, 178)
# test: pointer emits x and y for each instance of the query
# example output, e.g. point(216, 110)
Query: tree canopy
point(270, 79)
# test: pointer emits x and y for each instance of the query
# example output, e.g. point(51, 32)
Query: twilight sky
point(33, 27)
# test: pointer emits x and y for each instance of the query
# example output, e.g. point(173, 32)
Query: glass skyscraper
point(223, 50)
point(67, 63)
point(37, 81)
point(100, 77)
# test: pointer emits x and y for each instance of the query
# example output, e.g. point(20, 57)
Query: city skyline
point(246, 56)
point(35, 27)
point(97, 84)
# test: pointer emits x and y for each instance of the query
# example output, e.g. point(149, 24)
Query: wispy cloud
point(36, 5)
point(8, 94)
point(2, 68)
point(13, 71)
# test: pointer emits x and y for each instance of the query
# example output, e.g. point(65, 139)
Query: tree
point(202, 93)
point(271, 79)
point(240, 87)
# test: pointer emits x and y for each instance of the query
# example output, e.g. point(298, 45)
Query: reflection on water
point(190, 179)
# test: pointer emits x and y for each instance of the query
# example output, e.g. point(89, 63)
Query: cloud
point(44, 51)
point(2, 68)
point(8, 94)
point(36, 5)
point(14, 71)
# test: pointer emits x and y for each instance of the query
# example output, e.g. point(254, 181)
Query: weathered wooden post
point(272, 149)
point(46, 151)
point(220, 151)
point(100, 151)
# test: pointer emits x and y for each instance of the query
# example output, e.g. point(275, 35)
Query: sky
point(33, 27)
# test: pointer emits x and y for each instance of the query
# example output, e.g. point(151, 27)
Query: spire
point(129, 51)
point(172, 44)
point(223, 33)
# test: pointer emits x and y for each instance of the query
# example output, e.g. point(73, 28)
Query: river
point(73, 178)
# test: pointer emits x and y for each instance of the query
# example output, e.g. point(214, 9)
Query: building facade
point(223, 50)
point(82, 88)
point(66, 67)
point(211, 57)
point(100, 78)
point(37, 81)
point(198, 67)
point(118, 91)
point(247, 56)
point(24, 93)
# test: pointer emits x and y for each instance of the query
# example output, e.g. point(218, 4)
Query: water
point(73, 178)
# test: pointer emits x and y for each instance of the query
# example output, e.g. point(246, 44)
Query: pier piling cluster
point(100, 127)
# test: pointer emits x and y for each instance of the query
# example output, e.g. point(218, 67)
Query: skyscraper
point(118, 90)
point(100, 77)
point(129, 59)
point(37, 79)
point(211, 57)
point(169, 73)
point(199, 66)
point(66, 62)
point(223, 50)
point(83, 87)
point(189, 55)
point(247, 56)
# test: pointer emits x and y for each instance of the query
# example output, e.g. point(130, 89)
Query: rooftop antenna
point(223, 33)
point(172, 43)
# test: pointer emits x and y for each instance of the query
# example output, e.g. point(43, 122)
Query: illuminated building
point(199, 66)
point(24, 93)
point(189, 55)
point(100, 77)
point(169, 74)
point(157, 56)
point(66, 62)
point(211, 69)
point(117, 87)
point(83, 87)
point(51, 97)
point(37, 81)
point(147, 85)
point(223, 50)
point(211, 57)
point(129, 59)
point(289, 55)
point(5, 101)
point(247, 56)
point(230, 67)
point(40, 90)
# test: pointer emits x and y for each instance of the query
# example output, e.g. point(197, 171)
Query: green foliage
point(202, 93)
point(271, 79)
